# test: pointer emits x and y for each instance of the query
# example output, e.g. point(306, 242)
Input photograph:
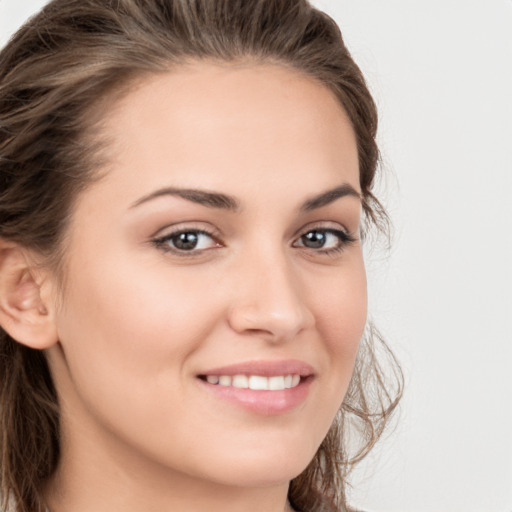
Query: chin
point(256, 476)
point(260, 470)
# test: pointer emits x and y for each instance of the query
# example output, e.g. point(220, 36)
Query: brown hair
point(76, 53)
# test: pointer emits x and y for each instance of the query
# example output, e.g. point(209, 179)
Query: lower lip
point(266, 403)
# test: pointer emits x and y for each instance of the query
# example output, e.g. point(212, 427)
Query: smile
point(255, 382)
point(265, 388)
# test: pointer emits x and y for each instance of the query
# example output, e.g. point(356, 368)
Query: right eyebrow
point(202, 197)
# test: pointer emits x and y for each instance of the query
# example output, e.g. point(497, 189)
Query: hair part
point(56, 73)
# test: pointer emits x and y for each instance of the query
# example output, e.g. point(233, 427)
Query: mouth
point(261, 387)
point(255, 382)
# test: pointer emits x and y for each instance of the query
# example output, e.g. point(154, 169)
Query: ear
point(26, 314)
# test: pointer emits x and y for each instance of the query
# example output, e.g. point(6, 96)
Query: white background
point(441, 72)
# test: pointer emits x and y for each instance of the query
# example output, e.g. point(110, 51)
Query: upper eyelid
point(181, 231)
point(322, 226)
point(183, 227)
point(347, 236)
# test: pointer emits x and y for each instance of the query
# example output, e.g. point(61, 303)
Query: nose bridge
point(269, 298)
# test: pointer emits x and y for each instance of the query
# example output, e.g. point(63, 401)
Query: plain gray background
point(441, 72)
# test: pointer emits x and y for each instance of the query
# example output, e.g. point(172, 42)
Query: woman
point(184, 186)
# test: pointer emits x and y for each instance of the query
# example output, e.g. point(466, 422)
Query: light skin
point(272, 269)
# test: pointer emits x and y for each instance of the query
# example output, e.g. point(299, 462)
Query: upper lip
point(264, 368)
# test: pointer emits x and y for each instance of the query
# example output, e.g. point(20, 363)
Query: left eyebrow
point(330, 196)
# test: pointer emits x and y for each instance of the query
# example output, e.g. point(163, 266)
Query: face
point(215, 288)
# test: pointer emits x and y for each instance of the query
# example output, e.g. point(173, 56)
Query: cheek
point(128, 345)
point(341, 319)
point(342, 307)
point(137, 313)
point(135, 327)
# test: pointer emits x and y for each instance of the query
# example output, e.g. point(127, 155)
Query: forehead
point(219, 125)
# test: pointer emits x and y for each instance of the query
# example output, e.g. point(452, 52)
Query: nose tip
point(274, 309)
point(274, 325)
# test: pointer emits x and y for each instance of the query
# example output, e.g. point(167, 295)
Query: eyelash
point(344, 239)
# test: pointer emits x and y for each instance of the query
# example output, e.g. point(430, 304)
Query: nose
point(269, 301)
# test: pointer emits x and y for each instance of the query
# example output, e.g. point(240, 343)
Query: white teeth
point(240, 381)
point(276, 383)
point(225, 380)
point(256, 382)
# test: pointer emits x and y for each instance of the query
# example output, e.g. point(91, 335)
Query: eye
point(187, 241)
point(325, 240)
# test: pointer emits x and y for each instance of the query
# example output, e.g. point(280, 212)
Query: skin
point(136, 323)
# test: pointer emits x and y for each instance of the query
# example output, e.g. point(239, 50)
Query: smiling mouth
point(255, 382)
point(265, 388)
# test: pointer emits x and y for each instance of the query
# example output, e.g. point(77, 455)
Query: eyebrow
point(226, 202)
point(203, 197)
point(330, 196)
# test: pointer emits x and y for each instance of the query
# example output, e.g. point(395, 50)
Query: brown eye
point(324, 240)
point(187, 241)
point(314, 239)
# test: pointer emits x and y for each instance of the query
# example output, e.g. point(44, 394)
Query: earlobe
point(23, 313)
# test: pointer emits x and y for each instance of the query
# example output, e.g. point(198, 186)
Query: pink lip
point(264, 368)
point(265, 403)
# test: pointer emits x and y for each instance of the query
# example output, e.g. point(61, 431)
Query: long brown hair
point(53, 73)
